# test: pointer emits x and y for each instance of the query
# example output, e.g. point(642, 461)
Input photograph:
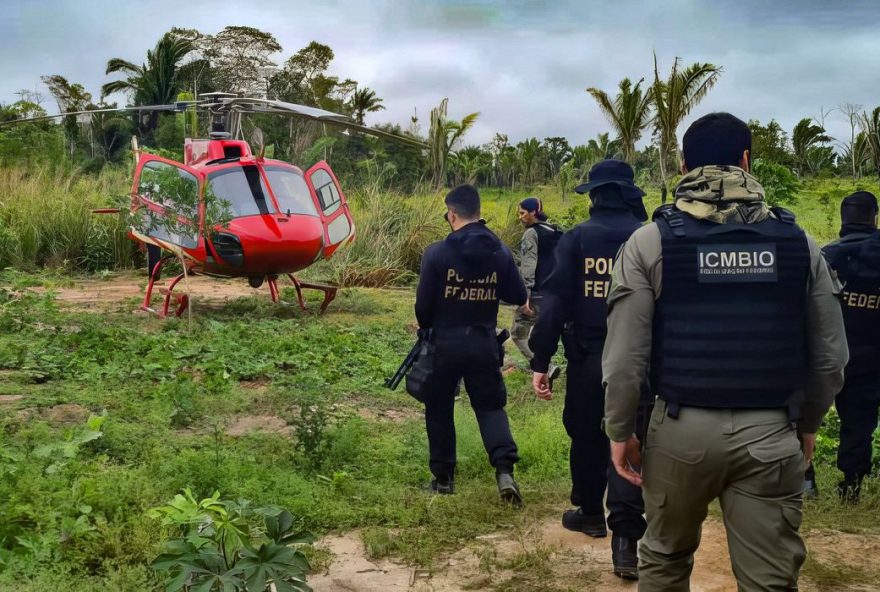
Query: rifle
point(408, 361)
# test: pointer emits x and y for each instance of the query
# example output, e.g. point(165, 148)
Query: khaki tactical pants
point(751, 460)
point(522, 327)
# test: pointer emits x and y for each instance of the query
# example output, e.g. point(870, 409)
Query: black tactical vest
point(600, 239)
point(729, 326)
point(857, 263)
point(548, 237)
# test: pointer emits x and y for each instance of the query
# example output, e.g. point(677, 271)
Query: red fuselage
point(283, 220)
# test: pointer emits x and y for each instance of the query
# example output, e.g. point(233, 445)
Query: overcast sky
point(524, 65)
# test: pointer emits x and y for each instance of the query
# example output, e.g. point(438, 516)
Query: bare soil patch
point(66, 414)
point(562, 560)
point(107, 294)
point(7, 399)
point(393, 415)
point(270, 424)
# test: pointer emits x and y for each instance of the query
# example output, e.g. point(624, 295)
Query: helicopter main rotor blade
point(175, 107)
point(328, 117)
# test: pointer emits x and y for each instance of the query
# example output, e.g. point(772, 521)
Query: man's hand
point(808, 444)
point(541, 384)
point(627, 460)
point(526, 310)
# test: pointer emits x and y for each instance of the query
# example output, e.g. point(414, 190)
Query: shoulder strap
point(783, 215)
point(672, 218)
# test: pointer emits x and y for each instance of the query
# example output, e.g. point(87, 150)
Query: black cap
point(858, 208)
point(610, 171)
point(465, 200)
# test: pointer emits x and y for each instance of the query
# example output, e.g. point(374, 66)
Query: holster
point(574, 349)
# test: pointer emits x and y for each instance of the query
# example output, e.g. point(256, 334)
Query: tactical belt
point(674, 409)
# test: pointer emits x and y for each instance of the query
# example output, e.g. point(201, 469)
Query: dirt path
point(113, 292)
point(548, 557)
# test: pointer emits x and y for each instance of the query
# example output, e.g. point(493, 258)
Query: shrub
point(780, 184)
point(231, 546)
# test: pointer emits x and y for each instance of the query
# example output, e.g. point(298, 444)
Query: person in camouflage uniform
point(536, 262)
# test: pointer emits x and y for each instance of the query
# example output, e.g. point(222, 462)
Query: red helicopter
point(280, 220)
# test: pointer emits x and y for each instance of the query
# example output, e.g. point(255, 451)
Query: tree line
point(186, 63)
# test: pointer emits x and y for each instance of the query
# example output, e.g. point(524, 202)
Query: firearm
point(408, 361)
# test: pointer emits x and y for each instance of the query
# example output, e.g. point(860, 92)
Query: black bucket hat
point(611, 171)
point(619, 173)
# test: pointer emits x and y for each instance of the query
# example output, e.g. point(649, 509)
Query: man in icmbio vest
point(461, 282)
point(733, 308)
point(536, 260)
point(574, 308)
point(855, 259)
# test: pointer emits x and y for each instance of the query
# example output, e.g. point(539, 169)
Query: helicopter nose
point(274, 243)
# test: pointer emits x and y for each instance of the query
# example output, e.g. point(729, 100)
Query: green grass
point(73, 515)
point(170, 390)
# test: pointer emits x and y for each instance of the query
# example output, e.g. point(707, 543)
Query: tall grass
point(46, 220)
point(392, 232)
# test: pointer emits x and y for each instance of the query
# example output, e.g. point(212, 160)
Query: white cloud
point(523, 65)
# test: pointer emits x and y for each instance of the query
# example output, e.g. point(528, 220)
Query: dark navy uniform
point(462, 280)
point(856, 260)
point(574, 307)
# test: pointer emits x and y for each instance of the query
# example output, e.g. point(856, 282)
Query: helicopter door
point(335, 214)
point(167, 197)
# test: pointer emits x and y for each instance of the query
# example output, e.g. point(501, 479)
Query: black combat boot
point(442, 486)
point(849, 490)
point(577, 521)
point(625, 557)
point(508, 489)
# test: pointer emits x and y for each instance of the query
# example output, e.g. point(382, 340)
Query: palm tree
point(674, 98)
point(154, 83)
point(870, 125)
point(529, 154)
point(805, 139)
point(629, 113)
point(363, 101)
point(442, 137)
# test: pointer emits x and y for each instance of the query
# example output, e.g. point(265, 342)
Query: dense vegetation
point(118, 413)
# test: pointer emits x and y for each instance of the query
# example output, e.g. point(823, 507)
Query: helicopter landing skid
point(299, 285)
point(180, 300)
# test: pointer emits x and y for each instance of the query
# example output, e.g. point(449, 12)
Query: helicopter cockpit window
point(243, 187)
point(177, 192)
point(326, 190)
point(171, 187)
point(291, 191)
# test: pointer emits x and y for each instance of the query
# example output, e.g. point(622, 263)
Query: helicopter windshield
point(291, 191)
point(243, 187)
